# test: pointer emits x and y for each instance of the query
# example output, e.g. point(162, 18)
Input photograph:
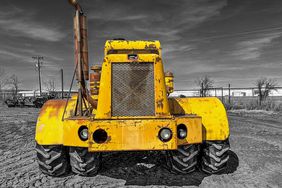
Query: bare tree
point(50, 85)
point(3, 78)
point(3, 81)
point(205, 83)
point(15, 83)
point(265, 86)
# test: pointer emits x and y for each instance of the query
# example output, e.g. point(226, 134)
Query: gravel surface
point(256, 158)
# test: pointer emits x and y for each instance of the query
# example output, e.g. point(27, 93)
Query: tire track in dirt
point(261, 123)
point(258, 144)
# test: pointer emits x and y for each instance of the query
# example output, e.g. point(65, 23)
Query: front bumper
point(137, 134)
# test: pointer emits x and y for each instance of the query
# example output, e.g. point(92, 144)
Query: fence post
point(229, 97)
point(202, 89)
point(222, 97)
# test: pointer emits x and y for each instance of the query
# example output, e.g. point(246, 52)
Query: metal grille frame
point(133, 92)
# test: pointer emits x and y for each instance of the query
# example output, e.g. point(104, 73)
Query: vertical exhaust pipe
point(84, 46)
point(81, 57)
point(81, 42)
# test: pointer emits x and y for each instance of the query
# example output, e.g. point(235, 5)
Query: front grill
point(133, 89)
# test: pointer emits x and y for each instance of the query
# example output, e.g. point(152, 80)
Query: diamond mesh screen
point(133, 89)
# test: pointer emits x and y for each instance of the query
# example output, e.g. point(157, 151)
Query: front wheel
point(215, 156)
point(84, 163)
point(52, 159)
point(184, 160)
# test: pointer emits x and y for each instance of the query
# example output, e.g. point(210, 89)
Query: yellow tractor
point(128, 108)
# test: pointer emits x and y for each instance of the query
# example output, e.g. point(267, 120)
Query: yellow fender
point(212, 111)
point(49, 127)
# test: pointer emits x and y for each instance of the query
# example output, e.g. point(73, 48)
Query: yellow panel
point(162, 106)
point(133, 135)
point(194, 127)
point(127, 45)
point(104, 97)
point(71, 127)
point(138, 134)
point(212, 111)
point(49, 126)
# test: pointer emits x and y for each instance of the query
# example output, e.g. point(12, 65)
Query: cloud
point(17, 22)
point(117, 18)
point(179, 18)
point(252, 49)
point(11, 55)
point(174, 50)
point(158, 19)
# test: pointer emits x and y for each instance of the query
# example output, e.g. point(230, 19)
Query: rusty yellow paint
point(212, 111)
point(169, 82)
point(70, 132)
point(132, 45)
point(133, 135)
point(123, 135)
point(205, 118)
point(193, 124)
point(49, 126)
point(104, 98)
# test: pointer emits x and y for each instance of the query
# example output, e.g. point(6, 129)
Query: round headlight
point(165, 134)
point(83, 133)
point(181, 131)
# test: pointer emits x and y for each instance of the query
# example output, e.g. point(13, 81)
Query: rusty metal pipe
point(81, 56)
point(75, 4)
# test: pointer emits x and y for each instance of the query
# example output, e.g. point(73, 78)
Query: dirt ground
point(256, 158)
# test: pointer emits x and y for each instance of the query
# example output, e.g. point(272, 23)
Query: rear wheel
point(83, 162)
point(183, 160)
point(215, 156)
point(52, 160)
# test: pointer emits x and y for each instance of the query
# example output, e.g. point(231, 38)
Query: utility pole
point(38, 66)
point(62, 81)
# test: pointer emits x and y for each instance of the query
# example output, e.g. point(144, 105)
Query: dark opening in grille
point(133, 89)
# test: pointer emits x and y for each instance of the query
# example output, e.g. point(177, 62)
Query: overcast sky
point(232, 41)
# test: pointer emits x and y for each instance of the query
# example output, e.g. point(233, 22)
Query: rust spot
point(152, 46)
point(158, 59)
point(55, 105)
point(108, 114)
point(160, 103)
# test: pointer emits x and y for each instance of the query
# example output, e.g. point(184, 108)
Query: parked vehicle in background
point(40, 100)
point(11, 102)
point(36, 101)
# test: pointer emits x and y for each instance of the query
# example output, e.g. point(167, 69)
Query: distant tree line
point(12, 82)
point(9, 81)
point(264, 85)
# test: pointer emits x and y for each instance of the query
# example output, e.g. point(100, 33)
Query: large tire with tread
point(184, 160)
point(84, 163)
point(52, 159)
point(215, 156)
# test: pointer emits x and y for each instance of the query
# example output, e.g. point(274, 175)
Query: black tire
point(84, 163)
point(184, 160)
point(52, 160)
point(215, 156)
